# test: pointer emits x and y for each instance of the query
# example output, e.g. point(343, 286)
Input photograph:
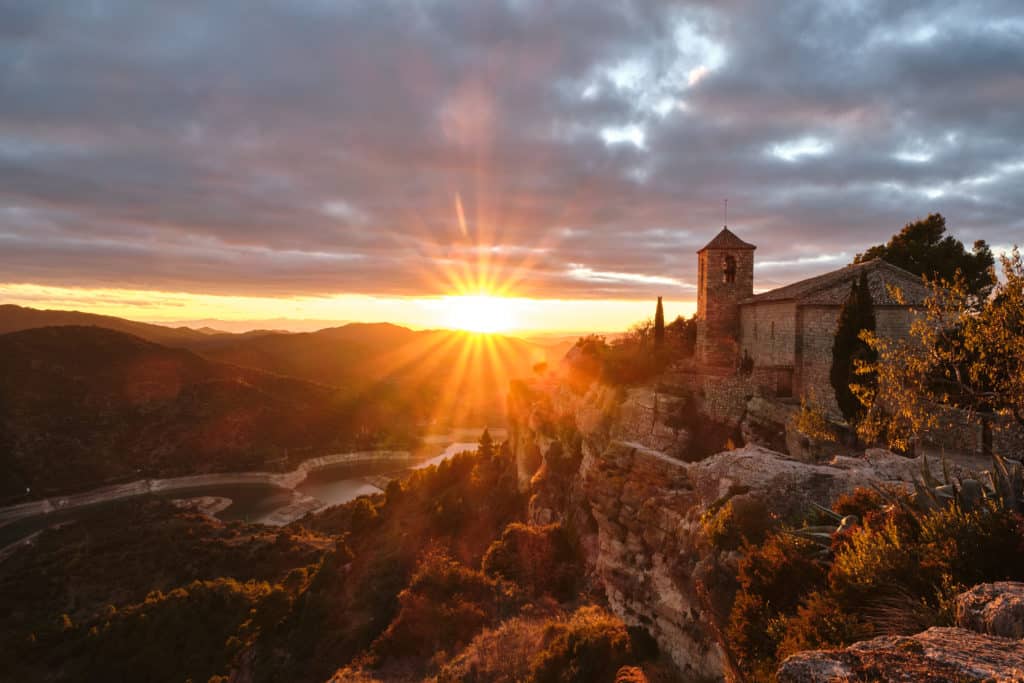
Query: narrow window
point(773, 329)
point(729, 269)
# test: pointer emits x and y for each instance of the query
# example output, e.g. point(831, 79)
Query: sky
point(323, 159)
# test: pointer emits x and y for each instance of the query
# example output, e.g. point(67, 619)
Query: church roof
point(727, 240)
point(832, 289)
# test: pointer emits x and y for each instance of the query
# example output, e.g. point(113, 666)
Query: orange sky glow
point(507, 314)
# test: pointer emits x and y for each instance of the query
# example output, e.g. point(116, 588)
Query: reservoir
point(255, 503)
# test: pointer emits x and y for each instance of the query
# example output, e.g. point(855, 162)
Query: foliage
point(485, 449)
point(455, 510)
point(443, 607)
point(859, 502)
point(102, 600)
point(681, 334)
point(503, 654)
point(659, 325)
point(739, 520)
point(811, 420)
point(818, 623)
point(299, 602)
point(132, 409)
point(634, 357)
point(894, 573)
point(629, 359)
point(772, 579)
point(540, 559)
point(959, 354)
point(849, 349)
point(134, 642)
point(924, 248)
point(590, 645)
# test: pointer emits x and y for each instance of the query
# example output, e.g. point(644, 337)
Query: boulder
point(993, 608)
point(985, 646)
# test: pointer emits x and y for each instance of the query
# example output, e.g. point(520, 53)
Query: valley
point(269, 498)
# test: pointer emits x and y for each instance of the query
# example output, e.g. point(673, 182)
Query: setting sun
point(479, 313)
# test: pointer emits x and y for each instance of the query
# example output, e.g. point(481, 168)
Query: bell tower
point(725, 276)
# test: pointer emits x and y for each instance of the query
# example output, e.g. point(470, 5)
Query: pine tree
point(659, 324)
point(924, 248)
point(856, 315)
point(486, 446)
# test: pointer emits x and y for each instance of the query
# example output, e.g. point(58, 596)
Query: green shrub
point(540, 559)
point(896, 573)
point(819, 622)
point(205, 624)
point(773, 577)
point(589, 647)
point(739, 520)
point(444, 606)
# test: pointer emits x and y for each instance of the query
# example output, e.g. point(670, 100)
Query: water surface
point(255, 502)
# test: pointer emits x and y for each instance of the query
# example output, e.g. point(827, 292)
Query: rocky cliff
point(612, 465)
point(987, 644)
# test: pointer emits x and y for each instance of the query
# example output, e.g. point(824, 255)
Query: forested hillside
point(84, 406)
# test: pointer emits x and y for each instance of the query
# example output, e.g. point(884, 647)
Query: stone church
point(787, 332)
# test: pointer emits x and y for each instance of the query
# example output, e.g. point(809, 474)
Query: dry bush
point(588, 646)
point(502, 655)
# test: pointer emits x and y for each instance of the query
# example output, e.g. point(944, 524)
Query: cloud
point(309, 148)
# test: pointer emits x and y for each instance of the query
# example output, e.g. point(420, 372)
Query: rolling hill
point(462, 377)
point(16, 318)
point(84, 406)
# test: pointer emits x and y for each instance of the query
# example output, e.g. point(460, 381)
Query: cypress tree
point(659, 324)
point(857, 314)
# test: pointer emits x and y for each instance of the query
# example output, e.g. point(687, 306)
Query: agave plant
point(1006, 490)
point(822, 535)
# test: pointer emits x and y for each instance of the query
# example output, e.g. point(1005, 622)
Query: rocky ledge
point(606, 464)
point(985, 645)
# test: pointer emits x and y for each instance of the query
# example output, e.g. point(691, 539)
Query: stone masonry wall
point(725, 398)
point(718, 320)
point(768, 333)
point(817, 331)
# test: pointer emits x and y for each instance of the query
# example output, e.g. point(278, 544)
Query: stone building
point(787, 332)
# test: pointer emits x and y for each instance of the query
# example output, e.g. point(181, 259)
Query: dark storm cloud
point(323, 146)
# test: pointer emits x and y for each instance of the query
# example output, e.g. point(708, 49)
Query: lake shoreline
point(285, 480)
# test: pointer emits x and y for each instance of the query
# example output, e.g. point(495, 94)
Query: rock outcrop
point(605, 463)
point(993, 608)
point(985, 645)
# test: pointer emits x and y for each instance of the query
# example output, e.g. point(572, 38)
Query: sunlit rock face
point(985, 645)
point(603, 461)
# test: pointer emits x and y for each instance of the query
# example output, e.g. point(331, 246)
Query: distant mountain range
point(17, 318)
point(266, 324)
point(88, 399)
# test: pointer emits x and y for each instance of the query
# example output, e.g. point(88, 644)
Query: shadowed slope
point(83, 406)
